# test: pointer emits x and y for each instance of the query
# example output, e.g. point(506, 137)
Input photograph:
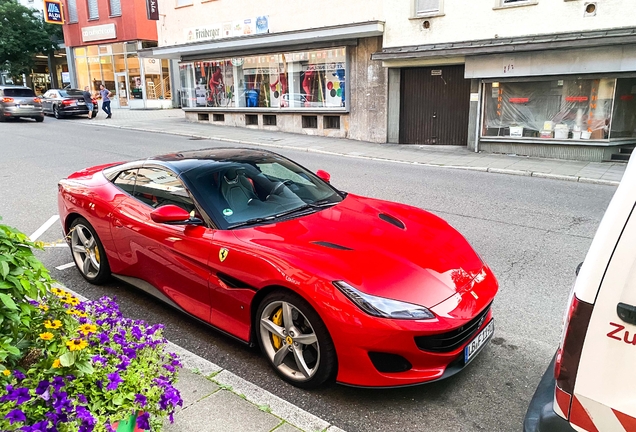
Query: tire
point(306, 364)
point(56, 112)
point(88, 252)
point(39, 119)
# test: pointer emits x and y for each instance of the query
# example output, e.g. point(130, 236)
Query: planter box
point(129, 425)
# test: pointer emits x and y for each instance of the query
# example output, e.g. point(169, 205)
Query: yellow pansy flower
point(43, 307)
point(87, 329)
point(56, 363)
point(55, 324)
point(46, 336)
point(6, 372)
point(59, 292)
point(76, 344)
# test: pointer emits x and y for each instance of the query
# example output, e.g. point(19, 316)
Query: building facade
point(259, 65)
point(550, 78)
point(103, 38)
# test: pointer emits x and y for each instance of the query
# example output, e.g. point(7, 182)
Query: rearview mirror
point(172, 215)
point(324, 175)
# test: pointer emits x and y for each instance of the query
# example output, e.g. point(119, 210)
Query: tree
point(23, 34)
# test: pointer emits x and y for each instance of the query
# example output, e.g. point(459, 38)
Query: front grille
point(451, 340)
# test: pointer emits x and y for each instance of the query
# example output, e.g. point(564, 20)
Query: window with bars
point(507, 2)
point(72, 11)
point(428, 7)
point(115, 7)
point(93, 11)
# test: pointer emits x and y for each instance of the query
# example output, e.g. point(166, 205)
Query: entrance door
point(434, 105)
point(121, 91)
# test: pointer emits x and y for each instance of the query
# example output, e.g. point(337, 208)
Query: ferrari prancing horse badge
point(223, 254)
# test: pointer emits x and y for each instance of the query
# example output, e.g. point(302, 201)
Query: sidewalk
point(173, 122)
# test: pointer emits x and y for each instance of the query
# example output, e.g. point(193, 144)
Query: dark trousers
point(106, 108)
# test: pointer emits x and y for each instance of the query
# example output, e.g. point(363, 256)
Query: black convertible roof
point(186, 160)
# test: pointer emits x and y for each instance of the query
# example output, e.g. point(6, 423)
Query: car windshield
point(67, 93)
point(257, 190)
point(19, 92)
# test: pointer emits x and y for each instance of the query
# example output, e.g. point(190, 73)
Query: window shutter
point(72, 11)
point(93, 11)
point(115, 7)
point(426, 6)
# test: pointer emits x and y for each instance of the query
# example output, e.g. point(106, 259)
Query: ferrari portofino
point(331, 285)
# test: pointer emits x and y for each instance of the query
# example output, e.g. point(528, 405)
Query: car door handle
point(626, 312)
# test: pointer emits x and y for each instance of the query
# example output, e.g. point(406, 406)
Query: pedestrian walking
point(88, 99)
point(106, 94)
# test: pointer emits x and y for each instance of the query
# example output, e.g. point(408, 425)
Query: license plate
point(478, 342)
point(81, 103)
point(24, 106)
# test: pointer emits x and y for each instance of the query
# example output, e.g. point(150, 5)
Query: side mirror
point(171, 215)
point(324, 175)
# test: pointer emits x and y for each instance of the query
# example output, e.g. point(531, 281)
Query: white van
point(591, 382)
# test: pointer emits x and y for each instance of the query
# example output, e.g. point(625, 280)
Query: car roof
point(185, 160)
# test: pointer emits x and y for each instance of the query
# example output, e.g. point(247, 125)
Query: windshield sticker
point(228, 212)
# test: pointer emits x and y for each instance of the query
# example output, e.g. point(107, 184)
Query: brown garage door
point(434, 105)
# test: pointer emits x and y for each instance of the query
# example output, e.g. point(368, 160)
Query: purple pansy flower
point(115, 379)
point(15, 416)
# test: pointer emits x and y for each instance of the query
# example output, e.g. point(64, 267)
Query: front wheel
point(88, 252)
point(39, 118)
point(295, 340)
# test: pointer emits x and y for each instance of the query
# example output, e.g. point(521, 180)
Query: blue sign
point(53, 12)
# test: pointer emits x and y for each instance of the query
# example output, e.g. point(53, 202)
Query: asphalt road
point(532, 232)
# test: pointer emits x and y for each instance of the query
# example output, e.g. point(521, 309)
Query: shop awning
point(287, 40)
point(626, 35)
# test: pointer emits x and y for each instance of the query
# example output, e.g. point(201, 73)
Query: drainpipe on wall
point(479, 119)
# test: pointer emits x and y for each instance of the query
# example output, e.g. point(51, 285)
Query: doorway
point(434, 105)
point(121, 90)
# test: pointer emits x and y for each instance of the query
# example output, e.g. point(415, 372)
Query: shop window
point(310, 122)
point(115, 8)
point(562, 109)
point(154, 83)
point(72, 11)
point(93, 10)
point(331, 122)
point(218, 117)
point(624, 116)
point(251, 120)
point(269, 120)
point(188, 98)
point(428, 7)
point(203, 117)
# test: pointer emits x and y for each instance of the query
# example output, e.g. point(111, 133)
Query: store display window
point(597, 109)
point(300, 80)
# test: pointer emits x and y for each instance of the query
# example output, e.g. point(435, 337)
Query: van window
point(19, 92)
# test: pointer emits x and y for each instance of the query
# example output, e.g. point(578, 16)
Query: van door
point(605, 389)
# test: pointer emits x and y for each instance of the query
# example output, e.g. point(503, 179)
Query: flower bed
point(68, 365)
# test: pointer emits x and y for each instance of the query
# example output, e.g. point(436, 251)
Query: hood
point(382, 248)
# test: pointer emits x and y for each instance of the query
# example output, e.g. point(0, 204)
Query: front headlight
point(383, 307)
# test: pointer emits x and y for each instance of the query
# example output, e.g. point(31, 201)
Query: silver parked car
point(17, 101)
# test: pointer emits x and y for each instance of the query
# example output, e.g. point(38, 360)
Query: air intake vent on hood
point(331, 245)
point(391, 220)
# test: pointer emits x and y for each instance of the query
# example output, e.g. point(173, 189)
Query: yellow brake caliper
point(277, 319)
point(97, 254)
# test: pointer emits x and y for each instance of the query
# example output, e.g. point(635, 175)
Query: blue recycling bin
point(251, 97)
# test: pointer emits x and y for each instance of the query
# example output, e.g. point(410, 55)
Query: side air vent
point(231, 282)
point(331, 245)
point(393, 221)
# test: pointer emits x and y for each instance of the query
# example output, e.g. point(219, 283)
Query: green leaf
point(118, 399)
point(67, 359)
point(12, 350)
point(4, 269)
point(84, 366)
point(8, 301)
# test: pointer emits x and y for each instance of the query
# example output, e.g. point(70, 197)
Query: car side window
point(157, 187)
point(126, 180)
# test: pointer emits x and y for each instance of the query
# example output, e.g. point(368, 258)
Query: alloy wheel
point(56, 112)
point(289, 341)
point(85, 251)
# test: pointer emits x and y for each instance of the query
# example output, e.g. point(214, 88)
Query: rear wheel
point(39, 119)
point(88, 252)
point(295, 340)
point(56, 112)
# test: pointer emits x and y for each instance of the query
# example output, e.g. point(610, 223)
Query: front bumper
point(540, 416)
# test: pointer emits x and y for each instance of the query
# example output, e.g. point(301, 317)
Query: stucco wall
point(476, 19)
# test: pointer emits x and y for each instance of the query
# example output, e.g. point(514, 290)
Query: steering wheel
point(278, 188)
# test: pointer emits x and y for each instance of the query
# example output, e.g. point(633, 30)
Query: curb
point(359, 156)
point(286, 411)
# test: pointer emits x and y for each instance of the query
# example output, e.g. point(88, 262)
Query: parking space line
point(65, 266)
point(44, 227)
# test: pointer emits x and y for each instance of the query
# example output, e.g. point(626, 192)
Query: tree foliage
point(23, 34)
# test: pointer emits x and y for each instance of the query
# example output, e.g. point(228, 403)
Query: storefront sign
point(99, 32)
point(152, 66)
point(244, 27)
point(53, 13)
point(152, 10)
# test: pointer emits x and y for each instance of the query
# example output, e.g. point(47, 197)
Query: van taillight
point(569, 354)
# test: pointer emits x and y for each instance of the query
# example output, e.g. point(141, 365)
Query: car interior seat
point(237, 189)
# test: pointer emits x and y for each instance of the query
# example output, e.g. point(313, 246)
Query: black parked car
point(64, 103)
point(18, 101)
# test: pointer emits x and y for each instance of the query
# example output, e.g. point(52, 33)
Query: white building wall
point(283, 16)
point(482, 19)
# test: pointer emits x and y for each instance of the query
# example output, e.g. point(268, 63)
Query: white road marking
point(65, 266)
point(43, 228)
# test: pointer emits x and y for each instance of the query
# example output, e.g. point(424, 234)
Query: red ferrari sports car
point(330, 285)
